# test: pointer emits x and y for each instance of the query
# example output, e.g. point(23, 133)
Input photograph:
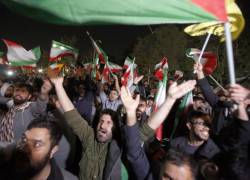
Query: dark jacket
point(136, 154)
point(99, 160)
point(207, 150)
point(220, 108)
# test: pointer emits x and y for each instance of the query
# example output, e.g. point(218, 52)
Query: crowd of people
point(79, 128)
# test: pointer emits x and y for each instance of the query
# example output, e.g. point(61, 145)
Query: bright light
point(40, 70)
point(10, 73)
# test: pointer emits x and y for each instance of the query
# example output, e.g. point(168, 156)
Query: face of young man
point(173, 172)
point(104, 128)
point(199, 129)
point(113, 95)
point(141, 108)
point(21, 95)
point(36, 144)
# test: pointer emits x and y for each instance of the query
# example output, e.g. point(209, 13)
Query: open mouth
point(102, 132)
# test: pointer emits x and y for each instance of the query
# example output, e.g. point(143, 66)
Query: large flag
point(159, 100)
point(235, 18)
point(130, 12)
point(60, 50)
point(160, 68)
point(19, 56)
point(184, 107)
point(208, 59)
point(129, 74)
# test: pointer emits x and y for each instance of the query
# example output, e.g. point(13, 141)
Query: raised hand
point(198, 68)
point(176, 91)
point(138, 79)
point(46, 87)
point(238, 93)
point(57, 80)
point(129, 103)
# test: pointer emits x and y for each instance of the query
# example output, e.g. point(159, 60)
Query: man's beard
point(23, 167)
point(19, 101)
point(103, 136)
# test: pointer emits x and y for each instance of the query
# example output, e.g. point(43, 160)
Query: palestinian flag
point(160, 68)
point(60, 50)
point(159, 100)
point(182, 111)
point(208, 59)
point(235, 19)
point(19, 56)
point(130, 12)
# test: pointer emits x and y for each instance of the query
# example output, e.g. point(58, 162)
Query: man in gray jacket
point(21, 112)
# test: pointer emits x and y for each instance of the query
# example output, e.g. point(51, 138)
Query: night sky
point(116, 40)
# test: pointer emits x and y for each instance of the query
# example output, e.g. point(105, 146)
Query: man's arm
point(74, 119)
point(206, 89)
point(174, 92)
point(135, 152)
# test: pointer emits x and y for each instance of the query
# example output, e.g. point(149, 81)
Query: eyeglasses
point(204, 124)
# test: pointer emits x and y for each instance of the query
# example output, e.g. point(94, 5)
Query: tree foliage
point(170, 41)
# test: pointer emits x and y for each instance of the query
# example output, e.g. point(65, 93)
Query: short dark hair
point(50, 124)
point(199, 114)
point(26, 86)
point(180, 159)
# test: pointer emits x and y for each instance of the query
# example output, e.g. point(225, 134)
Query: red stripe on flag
point(216, 7)
point(10, 43)
point(60, 56)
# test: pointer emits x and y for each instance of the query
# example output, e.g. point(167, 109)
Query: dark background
point(117, 41)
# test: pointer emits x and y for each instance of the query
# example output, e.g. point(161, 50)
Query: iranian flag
point(128, 76)
point(160, 68)
point(60, 50)
point(19, 56)
point(88, 65)
point(159, 100)
point(95, 72)
point(101, 54)
point(184, 107)
point(105, 74)
point(114, 67)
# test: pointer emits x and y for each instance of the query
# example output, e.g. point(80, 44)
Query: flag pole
point(230, 58)
point(216, 82)
point(204, 46)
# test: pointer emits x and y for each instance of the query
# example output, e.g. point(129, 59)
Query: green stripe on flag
point(131, 12)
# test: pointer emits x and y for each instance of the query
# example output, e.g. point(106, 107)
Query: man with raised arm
point(101, 157)
point(22, 111)
point(135, 152)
